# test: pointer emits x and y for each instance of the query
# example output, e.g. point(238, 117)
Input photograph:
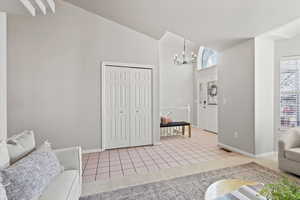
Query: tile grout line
point(99, 154)
point(143, 161)
point(121, 163)
point(183, 157)
point(131, 161)
point(184, 143)
point(84, 168)
point(162, 159)
point(194, 152)
point(114, 152)
point(109, 164)
point(156, 164)
point(172, 157)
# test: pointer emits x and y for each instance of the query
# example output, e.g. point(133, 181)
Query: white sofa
point(67, 185)
point(289, 151)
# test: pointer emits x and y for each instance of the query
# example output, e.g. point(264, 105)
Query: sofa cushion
point(28, 177)
point(66, 186)
point(45, 146)
point(4, 157)
point(293, 154)
point(20, 145)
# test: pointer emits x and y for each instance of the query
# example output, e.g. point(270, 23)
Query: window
point(290, 92)
point(207, 58)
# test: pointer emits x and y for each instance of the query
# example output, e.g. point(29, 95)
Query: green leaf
point(285, 189)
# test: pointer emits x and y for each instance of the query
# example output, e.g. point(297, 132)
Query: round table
point(223, 187)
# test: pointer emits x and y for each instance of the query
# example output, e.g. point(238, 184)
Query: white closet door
point(141, 104)
point(117, 107)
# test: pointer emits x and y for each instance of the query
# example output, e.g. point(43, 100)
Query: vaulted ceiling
point(12, 7)
point(215, 23)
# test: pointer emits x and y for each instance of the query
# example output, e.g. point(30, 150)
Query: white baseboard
point(100, 150)
point(265, 154)
point(225, 146)
point(92, 150)
point(244, 152)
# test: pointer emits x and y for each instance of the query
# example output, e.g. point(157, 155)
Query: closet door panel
point(141, 112)
point(117, 107)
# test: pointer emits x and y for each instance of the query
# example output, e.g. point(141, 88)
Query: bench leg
point(183, 130)
point(190, 131)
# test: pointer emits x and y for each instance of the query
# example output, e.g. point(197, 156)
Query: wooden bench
point(180, 124)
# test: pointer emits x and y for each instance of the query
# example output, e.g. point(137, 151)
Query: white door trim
point(204, 98)
point(198, 104)
point(102, 92)
point(130, 65)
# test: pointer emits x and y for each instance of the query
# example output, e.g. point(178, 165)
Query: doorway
point(207, 105)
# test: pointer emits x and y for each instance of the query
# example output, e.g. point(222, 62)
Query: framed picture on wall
point(212, 93)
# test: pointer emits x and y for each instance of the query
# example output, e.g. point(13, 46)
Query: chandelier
point(183, 59)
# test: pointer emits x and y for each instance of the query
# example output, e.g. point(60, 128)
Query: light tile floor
point(111, 184)
point(175, 151)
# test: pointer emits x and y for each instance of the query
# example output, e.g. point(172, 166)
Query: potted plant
point(283, 190)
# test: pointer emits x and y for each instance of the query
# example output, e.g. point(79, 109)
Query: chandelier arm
point(181, 59)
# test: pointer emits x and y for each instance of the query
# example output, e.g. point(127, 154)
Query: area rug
point(190, 187)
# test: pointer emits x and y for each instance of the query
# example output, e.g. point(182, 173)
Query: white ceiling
point(287, 31)
point(215, 23)
point(174, 41)
point(13, 7)
point(16, 7)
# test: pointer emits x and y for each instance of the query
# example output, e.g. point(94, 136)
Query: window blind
point(289, 92)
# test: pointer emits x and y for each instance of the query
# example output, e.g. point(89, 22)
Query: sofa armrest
point(70, 158)
point(281, 148)
point(290, 140)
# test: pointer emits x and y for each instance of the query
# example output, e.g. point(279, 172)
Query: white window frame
point(201, 51)
point(287, 58)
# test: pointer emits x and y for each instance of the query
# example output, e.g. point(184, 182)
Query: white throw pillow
point(45, 146)
point(20, 145)
point(4, 156)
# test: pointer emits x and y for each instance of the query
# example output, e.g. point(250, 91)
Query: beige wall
point(176, 81)
point(236, 97)
point(3, 57)
point(54, 73)
point(246, 92)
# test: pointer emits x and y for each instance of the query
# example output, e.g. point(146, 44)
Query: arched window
point(206, 58)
